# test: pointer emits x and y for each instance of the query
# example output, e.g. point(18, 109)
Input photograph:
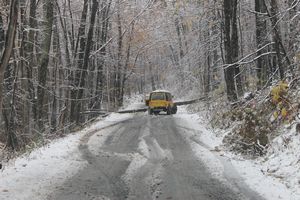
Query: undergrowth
point(256, 120)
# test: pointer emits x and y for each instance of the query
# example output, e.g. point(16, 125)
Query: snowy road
point(151, 157)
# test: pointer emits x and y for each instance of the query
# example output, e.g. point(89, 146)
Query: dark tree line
point(57, 64)
point(273, 61)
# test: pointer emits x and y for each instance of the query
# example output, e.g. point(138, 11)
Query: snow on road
point(35, 175)
point(32, 176)
point(275, 177)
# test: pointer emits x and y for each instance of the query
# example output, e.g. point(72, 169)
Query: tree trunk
point(67, 72)
point(103, 38)
point(9, 43)
point(78, 72)
point(235, 48)
point(57, 59)
point(261, 40)
point(81, 32)
point(281, 54)
point(126, 65)
point(180, 46)
point(7, 75)
point(207, 67)
point(29, 51)
point(293, 23)
point(2, 34)
point(42, 74)
point(7, 88)
point(230, 47)
point(152, 77)
point(87, 51)
point(72, 35)
point(118, 81)
point(10, 105)
point(277, 37)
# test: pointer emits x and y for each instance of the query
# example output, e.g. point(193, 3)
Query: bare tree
point(80, 43)
point(261, 40)
point(9, 42)
point(85, 63)
point(231, 47)
point(44, 61)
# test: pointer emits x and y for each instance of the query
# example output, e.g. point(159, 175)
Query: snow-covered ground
point(134, 102)
point(33, 176)
point(275, 176)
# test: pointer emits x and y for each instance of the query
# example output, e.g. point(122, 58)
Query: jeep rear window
point(158, 96)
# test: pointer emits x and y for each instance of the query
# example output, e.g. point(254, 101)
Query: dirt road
point(147, 158)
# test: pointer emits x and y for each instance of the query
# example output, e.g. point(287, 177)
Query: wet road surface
point(147, 158)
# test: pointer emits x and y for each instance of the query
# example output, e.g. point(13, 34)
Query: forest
point(64, 62)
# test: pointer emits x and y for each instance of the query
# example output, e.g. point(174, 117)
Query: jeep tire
point(169, 111)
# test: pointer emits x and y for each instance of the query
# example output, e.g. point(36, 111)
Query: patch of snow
point(282, 161)
point(31, 177)
point(139, 159)
point(275, 177)
point(134, 102)
point(97, 140)
point(165, 91)
point(143, 147)
point(35, 175)
point(248, 95)
point(137, 162)
point(200, 138)
point(197, 123)
point(213, 164)
point(269, 187)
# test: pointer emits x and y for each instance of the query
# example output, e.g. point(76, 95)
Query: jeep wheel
point(169, 111)
point(174, 110)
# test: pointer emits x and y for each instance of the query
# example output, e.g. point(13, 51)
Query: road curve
point(147, 158)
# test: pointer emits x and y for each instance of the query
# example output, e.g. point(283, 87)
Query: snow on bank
point(134, 102)
point(199, 137)
point(283, 160)
point(34, 176)
point(31, 177)
point(275, 176)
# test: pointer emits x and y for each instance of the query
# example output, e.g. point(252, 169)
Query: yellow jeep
point(161, 100)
